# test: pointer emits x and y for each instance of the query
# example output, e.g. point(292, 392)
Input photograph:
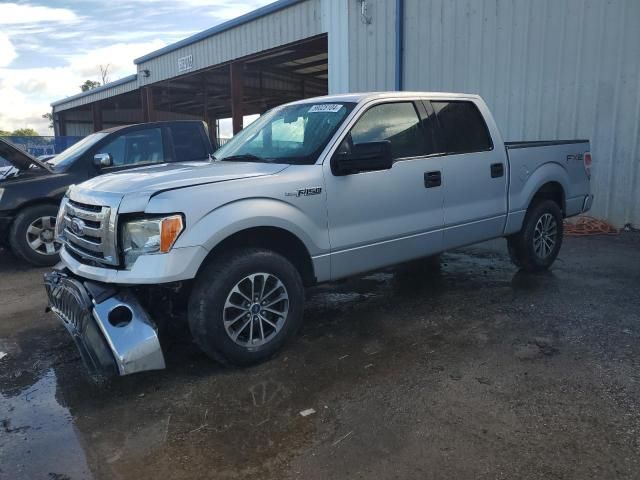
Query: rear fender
point(525, 185)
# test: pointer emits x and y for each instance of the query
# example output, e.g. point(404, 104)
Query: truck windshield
point(68, 156)
point(293, 134)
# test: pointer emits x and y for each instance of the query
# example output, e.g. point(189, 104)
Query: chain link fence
point(38, 146)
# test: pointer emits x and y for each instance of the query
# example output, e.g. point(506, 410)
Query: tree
point(25, 132)
point(89, 85)
point(48, 116)
point(5, 133)
point(104, 73)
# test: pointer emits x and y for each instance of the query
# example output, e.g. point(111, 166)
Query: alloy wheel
point(41, 236)
point(256, 310)
point(545, 235)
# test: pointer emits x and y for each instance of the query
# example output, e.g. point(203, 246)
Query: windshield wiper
point(247, 157)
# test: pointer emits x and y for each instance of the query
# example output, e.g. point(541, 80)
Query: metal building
point(549, 69)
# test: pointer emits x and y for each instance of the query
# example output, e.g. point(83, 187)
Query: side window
point(462, 126)
point(188, 142)
point(144, 146)
point(395, 122)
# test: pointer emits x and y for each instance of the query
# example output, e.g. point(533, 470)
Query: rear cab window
point(462, 127)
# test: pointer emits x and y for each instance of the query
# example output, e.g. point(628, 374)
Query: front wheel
point(245, 306)
point(537, 245)
point(32, 235)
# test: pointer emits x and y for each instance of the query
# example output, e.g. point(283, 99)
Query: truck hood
point(18, 157)
point(169, 176)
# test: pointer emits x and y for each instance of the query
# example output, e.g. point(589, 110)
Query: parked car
point(30, 192)
point(313, 191)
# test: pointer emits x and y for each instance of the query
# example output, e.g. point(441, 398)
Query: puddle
point(37, 436)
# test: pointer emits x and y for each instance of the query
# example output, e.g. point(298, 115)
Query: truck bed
point(534, 164)
point(541, 143)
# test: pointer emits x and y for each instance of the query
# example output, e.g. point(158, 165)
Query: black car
point(30, 190)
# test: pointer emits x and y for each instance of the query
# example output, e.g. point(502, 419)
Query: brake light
point(587, 163)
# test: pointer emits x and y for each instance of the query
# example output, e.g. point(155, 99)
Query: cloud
point(47, 52)
point(7, 50)
point(20, 13)
point(25, 94)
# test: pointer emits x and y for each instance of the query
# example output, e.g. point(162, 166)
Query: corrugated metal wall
point(297, 22)
point(111, 90)
point(549, 69)
point(372, 43)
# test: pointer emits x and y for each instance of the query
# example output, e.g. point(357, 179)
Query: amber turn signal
point(169, 232)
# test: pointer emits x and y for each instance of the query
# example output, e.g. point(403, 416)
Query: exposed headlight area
point(149, 236)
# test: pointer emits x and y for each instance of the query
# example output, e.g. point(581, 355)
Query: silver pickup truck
point(312, 191)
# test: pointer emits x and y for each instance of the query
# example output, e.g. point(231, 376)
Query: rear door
point(474, 174)
point(190, 142)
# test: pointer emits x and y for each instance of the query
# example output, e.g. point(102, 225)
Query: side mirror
point(364, 157)
point(102, 160)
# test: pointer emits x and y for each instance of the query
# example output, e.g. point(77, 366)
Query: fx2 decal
point(577, 156)
point(304, 192)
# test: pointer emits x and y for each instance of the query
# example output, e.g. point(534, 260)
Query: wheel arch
point(273, 238)
point(552, 190)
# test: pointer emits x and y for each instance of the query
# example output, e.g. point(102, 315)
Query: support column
point(213, 131)
point(148, 113)
point(96, 115)
point(60, 124)
point(237, 83)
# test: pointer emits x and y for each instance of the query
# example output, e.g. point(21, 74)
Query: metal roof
point(248, 17)
point(93, 91)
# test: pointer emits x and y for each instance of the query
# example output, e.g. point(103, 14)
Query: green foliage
point(25, 132)
point(89, 85)
point(48, 116)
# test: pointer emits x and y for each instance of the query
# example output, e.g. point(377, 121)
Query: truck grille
point(88, 232)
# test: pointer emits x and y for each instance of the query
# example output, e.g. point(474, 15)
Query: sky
point(49, 48)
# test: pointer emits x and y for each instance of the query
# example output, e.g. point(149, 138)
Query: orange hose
point(585, 225)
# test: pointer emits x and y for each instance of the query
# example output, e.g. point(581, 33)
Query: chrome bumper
point(114, 334)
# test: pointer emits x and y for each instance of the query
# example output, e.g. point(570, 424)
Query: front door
point(380, 218)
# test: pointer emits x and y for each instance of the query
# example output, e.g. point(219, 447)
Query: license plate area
point(70, 301)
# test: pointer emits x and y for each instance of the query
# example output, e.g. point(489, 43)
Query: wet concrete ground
point(468, 371)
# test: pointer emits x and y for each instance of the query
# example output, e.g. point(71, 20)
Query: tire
point(537, 245)
point(31, 236)
point(227, 281)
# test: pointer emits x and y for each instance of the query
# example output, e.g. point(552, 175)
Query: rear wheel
point(32, 235)
point(245, 306)
point(537, 245)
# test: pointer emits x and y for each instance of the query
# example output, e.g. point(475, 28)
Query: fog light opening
point(120, 316)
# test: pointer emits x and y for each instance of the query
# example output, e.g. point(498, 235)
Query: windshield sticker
point(326, 107)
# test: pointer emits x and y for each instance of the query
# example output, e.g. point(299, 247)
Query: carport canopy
point(246, 86)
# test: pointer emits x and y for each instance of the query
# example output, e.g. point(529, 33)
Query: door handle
point(497, 170)
point(432, 179)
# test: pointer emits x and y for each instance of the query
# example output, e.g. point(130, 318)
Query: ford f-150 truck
point(31, 188)
point(312, 191)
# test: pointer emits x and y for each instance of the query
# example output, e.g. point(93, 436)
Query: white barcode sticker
point(326, 107)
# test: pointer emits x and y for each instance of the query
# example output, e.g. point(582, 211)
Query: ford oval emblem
point(77, 227)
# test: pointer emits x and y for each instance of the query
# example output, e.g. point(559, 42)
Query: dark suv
point(30, 190)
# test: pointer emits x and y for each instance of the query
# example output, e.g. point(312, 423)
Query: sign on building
point(185, 63)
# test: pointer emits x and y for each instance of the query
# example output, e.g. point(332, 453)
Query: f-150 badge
point(304, 192)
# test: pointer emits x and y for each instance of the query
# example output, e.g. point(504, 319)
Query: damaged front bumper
point(113, 332)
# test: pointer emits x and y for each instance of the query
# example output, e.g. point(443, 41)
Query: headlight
point(148, 236)
point(60, 218)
